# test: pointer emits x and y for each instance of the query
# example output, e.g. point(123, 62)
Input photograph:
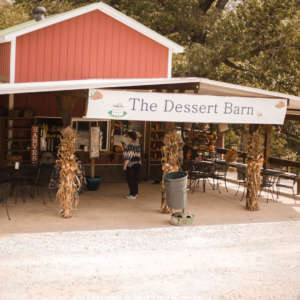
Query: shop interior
point(198, 141)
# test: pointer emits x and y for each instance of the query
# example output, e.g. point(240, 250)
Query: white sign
point(94, 142)
point(171, 107)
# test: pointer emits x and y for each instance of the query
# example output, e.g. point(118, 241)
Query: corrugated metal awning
point(202, 85)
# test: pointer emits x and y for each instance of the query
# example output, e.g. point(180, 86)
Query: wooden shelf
point(18, 150)
point(17, 118)
point(18, 139)
point(21, 135)
point(156, 139)
point(19, 128)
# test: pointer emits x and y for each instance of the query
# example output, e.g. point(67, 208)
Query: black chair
point(198, 171)
point(5, 188)
point(241, 181)
point(42, 180)
point(220, 173)
point(268, 183)
point(287, 181)
point(23, 181)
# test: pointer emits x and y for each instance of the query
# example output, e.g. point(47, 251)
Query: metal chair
point(269, 180)
point(43, 178)
point(241, 181)
point(5, 188)
point(289, 182)
point(23, 181)
point(198, 171)
point(220, 173)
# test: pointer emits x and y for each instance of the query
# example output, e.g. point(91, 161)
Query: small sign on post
point(94, 142)
point(94, 147)
point(34, 144)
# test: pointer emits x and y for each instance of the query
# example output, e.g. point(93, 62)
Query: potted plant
point(93, 182)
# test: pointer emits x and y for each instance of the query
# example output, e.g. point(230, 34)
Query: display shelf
point(23, 139)
point(18, 150)
point(199, 141)
point(18, 118)
point(157, 132)
point(19, 128)
point(18, 137)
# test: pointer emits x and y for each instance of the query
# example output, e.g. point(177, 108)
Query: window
point(82, 127)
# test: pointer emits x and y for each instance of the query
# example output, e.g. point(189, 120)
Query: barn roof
point(11, 33)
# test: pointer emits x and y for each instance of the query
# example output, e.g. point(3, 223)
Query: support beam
point(11, 105)
point(65, 105)
point(267, 145)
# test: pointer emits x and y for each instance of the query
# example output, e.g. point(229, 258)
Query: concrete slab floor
point(108, 209)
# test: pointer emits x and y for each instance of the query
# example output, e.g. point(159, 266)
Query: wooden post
point(92, 167)
point(11, 105)
point(267, 145)
point(254, 164)
point(65, 105)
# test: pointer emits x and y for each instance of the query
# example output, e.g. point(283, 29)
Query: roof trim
point(108, 10)
point(254, 91)
point(34, 87)
point(48, 86)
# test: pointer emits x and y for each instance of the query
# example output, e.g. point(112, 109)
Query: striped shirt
point(132, 152)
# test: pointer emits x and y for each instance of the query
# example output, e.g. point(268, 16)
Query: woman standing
point(132, 164)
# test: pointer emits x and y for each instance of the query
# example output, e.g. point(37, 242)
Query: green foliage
point(12, 16)
point(233, 137)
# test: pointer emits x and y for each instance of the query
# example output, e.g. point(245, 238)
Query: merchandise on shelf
point(200, 141)
point(156, 140)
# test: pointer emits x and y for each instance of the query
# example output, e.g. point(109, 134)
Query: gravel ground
point(245, 261)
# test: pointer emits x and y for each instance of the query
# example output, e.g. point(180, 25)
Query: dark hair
point(132, 135)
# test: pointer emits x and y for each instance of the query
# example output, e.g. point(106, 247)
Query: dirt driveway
point(239, 261)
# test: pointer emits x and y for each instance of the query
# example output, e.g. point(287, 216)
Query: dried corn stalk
point(67, 194)
point(254, 163)
point(170, 162)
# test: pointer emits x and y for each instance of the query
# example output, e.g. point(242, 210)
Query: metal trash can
point(176, 189)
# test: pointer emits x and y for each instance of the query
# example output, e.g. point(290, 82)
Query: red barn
point(94, 41)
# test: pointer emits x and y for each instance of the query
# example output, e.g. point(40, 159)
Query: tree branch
point(205, 5)
point(230, 64)
point(221, 4)
point(265, 47)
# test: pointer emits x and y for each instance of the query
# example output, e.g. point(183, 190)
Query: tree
point(256, 44)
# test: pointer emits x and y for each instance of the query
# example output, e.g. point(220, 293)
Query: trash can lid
point(175, 175)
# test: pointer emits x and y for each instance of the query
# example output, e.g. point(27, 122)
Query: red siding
point(4, 61)
point(92, 45)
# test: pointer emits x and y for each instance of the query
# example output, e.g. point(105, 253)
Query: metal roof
point(11, 33)
point(202, 85)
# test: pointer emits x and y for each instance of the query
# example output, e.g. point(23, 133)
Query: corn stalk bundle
point(169, 162)
point(67, 194)
point(255, 161)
